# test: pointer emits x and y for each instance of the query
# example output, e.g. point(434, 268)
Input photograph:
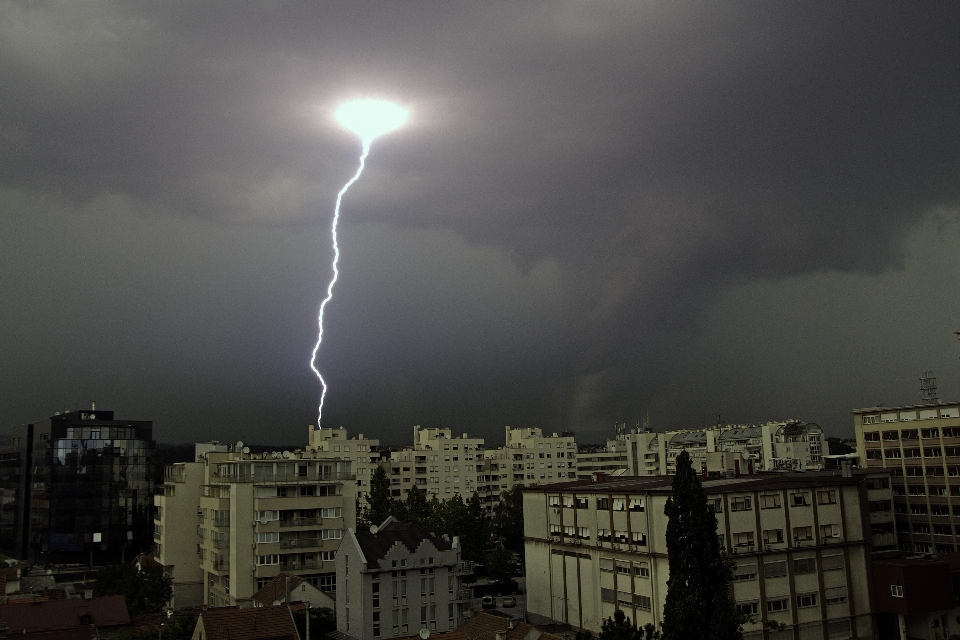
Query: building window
point(636, 504)
point(641, 569)
point(829, 563)
point(740, 503)
point(827, 496)
point(638, 538)
point(642, 602)
point(801, 534)
point(375, 587)
point(744, 539)
point(747, 608)
point(805, 565)
point(776, 605)
point(606, 565)
point(773, 536)
point(829, 531)
point(619, 504)
point(806, 600)
point(745, 571)
point(896, 590)
point(799, 499)
point(603, 503)
point(770, 501)
point(376, 624)
point(835, 595)
point(776, 569)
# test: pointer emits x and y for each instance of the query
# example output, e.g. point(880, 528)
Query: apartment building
point(801, 543)
point(920, 446)
point(364, 453)
point(775, 446)
point(438, 463)
point(249, 517)
point(379, 572)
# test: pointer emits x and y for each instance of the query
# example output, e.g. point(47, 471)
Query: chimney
point(500, 635)
point(456, 542)
point(599, 477)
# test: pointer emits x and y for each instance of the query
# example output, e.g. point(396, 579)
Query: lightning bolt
point(333, 280)
point(368, 118)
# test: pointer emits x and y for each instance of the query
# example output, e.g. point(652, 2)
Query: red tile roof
point(258, 623)
point(484, 626)
point(276, 589)
point(64, 615)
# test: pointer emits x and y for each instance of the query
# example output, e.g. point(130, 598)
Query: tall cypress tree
point(699, 603)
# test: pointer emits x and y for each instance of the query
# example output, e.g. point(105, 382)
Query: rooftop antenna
point(928, 388)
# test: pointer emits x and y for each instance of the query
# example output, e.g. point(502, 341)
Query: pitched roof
point(484, 626)
point(375, 546)
point(61, 615)
point(258, 623)
point(276, 589)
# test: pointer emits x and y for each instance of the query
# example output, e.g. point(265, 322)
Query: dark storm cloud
point(653, 153)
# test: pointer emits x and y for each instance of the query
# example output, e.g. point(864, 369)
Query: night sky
point(597, 210)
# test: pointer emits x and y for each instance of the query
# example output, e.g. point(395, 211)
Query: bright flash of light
point(369, 119)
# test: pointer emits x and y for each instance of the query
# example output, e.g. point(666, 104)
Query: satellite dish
point(373, 529)
point(424, 634)
point(274, 455)
point(246, 449)
point(239, 444)
point(286, 454)
point(264, 521)
point(93, 416)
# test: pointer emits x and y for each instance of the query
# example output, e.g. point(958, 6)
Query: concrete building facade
point(801, 543)
point(920, 446)
point(254, 516)
point(397, 579)
point(775, 446)
point(362, 452)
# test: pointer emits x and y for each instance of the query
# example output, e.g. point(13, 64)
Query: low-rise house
point(287, 588)
point(39, 619)
point(252, 623)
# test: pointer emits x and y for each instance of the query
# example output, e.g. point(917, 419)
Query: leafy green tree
point(145, 591)
point(417, 508)
point(474, 532)
point(180, 626)
point(500, 564)
point(698, 602)
point(379, 502)
point(508, 519)
point(619, 627)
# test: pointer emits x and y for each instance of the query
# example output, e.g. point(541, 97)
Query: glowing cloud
point(369, 119)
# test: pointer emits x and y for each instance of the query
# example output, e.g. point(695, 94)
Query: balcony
point(300, 522)
point(301, 543)
point(300, 565)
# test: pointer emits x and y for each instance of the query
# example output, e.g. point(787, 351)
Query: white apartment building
point(775, 446)
point(800, 542)
point(396, 580)
point(362, 452)
point(920, 446)
point(439, 464)
point(235, 519)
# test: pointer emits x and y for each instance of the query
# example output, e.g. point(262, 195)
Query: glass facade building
point(77, 487)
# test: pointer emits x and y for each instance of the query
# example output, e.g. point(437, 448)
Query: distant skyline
point(597, 210)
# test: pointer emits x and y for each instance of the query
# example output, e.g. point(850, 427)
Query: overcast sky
point(597, 210)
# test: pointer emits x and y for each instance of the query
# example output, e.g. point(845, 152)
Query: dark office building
point(77, 487)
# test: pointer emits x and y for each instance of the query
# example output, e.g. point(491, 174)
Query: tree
point(619, 627)
point(380, 504)
point(145, 591)
point(500, 564)
point(508, 519)
point(698, 602)
point(417, 508)
point(474, 531)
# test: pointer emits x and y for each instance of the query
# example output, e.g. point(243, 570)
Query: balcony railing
point(300, 522)
point(301, 543)
point(297, 566)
